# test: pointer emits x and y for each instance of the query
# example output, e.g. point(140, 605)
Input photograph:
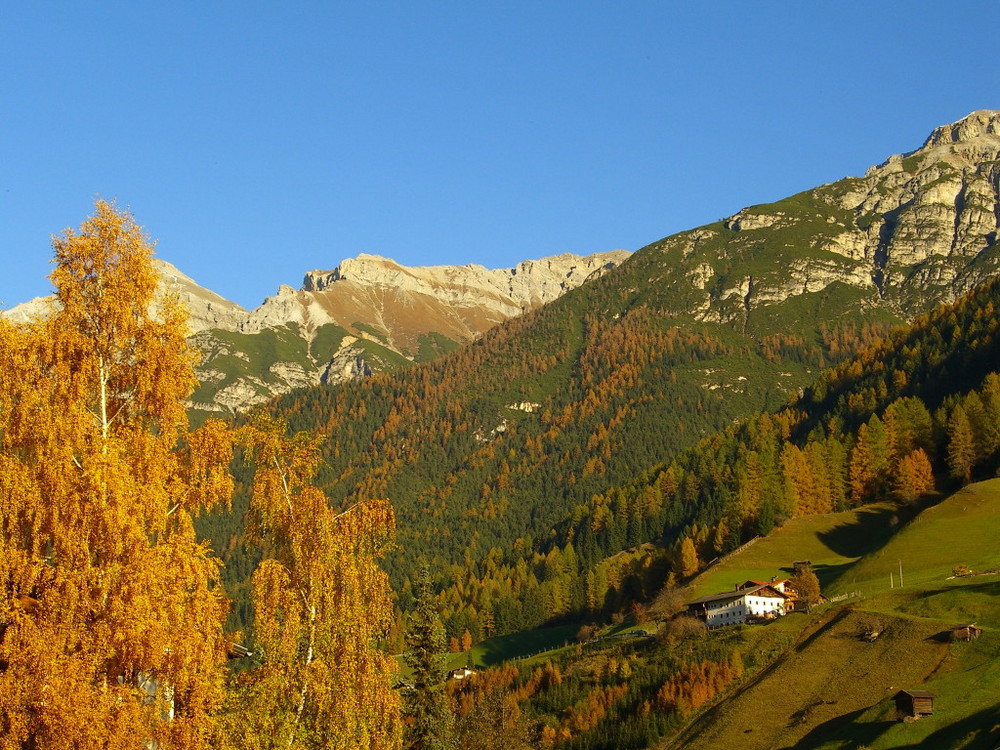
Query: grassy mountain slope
point(832, 542)
point(808, 680)
point(833, 688)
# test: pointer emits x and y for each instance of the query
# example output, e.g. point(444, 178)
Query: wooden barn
point(912, 704)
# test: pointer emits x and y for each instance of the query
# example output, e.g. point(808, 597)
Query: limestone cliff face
point(459, 302)
point(371, 314)
point(919, 229)
point(509, 291)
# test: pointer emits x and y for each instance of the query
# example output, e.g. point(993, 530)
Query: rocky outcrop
point(918, 229)
point(506, 291)
point(459, 302)
point(369, 313)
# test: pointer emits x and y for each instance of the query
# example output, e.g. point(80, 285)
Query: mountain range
point(917, 230)
point(689, 334)
point(369, 314)
point(914, 231)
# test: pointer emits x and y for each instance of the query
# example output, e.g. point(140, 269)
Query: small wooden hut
point(965, 633)
point(913, 704)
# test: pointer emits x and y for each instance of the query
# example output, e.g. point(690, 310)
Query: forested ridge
point(487, 451)
point(880, 422)
point(912, 414)
point(922, 399)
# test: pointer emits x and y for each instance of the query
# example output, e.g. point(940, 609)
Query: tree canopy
point(111, 624)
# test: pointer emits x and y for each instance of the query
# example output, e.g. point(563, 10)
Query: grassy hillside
point(832, 542)
point(833, 688)
point(965, 529)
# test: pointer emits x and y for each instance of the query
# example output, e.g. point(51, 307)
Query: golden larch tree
point(321, 604)
point(111, 615)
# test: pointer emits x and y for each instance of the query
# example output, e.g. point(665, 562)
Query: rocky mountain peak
point(206, 309)
point(371, 313)
point(978, 124)
point(919, 229)
point(528, 284)
point(366, 268)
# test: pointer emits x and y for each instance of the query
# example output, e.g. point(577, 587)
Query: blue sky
point(258, 140)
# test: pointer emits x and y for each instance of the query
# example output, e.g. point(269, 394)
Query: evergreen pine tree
point(429, 719)
point(961, 446)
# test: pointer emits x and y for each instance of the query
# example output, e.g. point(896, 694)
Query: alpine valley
point(579, 447)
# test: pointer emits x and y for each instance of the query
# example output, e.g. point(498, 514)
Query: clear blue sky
point(258, 140)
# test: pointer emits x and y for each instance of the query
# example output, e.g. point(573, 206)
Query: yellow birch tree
point(111, 614)
point(321, 602)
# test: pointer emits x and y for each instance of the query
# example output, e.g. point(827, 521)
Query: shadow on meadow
point(874, 527)
point(980, 731)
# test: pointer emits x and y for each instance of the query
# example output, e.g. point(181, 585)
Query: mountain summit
point(975, 125)
point(368, 314)
point(372, 314)
point(918, 229)
point(404, 302)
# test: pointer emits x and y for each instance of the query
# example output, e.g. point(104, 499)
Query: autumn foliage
point(696, 684)
point(321, 603)
point(111, 619)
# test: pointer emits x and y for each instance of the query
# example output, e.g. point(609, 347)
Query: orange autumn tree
point(321, 603)
point(111, 614)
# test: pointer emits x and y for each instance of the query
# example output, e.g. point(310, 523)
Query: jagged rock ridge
point(463, 300)
point(918, 229)
point(371, 314)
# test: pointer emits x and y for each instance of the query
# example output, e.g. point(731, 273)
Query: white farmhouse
point(744, 604)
